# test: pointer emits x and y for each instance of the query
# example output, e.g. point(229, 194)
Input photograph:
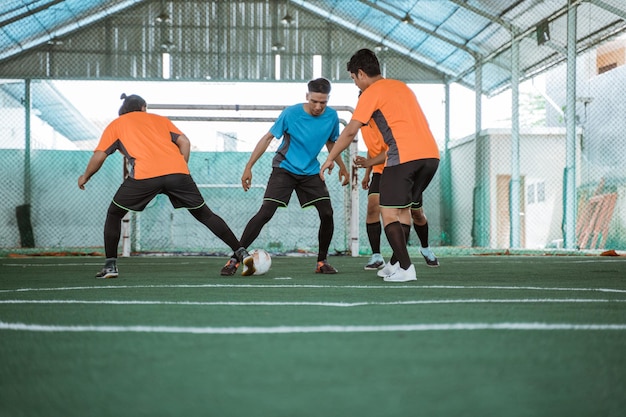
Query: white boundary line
point(311, 329)
point(308, 286)
point(315, 303)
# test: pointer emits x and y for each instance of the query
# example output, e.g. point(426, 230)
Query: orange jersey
point(394, 109)
point(148, 142)
point(374, 142)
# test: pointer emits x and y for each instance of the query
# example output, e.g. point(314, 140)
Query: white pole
point(125, 223)
point(354, 201)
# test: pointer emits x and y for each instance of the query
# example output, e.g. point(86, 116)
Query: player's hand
point(81, 182)
point(365, 182)
point(328, 165)
point(360, 162)
point(343, 173)
point(246, 179)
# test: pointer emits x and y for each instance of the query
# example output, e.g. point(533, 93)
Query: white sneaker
point(402, 275)
point(388, 269)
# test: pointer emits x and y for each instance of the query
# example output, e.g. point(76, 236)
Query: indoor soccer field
point(478, 336)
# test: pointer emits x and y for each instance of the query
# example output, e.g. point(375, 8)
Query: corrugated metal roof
point(54, 109)
point(451, 37)
point(27, 24)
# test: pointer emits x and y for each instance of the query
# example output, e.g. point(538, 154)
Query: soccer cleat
point(323, 267)
point(429, 257)
point(110, 272)
point(248, 265)
point(230, 268)
point(388, 269)
point(376, 262)
point(402, 275)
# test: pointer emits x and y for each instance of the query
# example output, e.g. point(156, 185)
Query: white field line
point(308, 286)
point(310, 329)
point(315, 303)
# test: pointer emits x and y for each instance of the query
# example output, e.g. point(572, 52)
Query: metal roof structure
point(435, 41)
point(55, 109)
point(450, 37)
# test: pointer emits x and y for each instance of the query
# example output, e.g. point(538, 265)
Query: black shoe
point(429, 257)
point(230, 268)
point(323, 267)
point(106, 273)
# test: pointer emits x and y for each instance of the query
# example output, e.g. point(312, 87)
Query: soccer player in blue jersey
point(305, 128)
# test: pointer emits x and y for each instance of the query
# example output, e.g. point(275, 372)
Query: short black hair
point(365, 60)
point(131, 103)
point(319, 85)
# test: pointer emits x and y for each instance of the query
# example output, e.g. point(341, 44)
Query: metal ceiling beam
point(518, 36)
point(496, 19)
point(29, 12)
point(72, 26)
point(422, 60)
point(434, 34)
point(608, 8)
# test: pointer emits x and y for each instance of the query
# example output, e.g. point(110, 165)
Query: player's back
point(147, 141)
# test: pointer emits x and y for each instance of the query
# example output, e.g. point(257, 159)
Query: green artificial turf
point(482, 336)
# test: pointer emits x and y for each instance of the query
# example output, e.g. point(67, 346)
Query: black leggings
point(266, 212)
point(115, 214)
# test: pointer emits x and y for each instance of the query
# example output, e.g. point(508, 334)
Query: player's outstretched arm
point(344, 175)
point(94, 164)
point(344, 140)
point(259, 149)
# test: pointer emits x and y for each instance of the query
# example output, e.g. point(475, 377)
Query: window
point(541, 192)
point(530, 194)
point(536, 193)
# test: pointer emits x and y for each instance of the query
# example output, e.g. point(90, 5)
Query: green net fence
point(222, 70)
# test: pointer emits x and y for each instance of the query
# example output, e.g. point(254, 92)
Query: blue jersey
point(303, 136)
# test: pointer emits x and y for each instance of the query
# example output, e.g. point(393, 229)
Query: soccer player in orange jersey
point(411, 161)
point(157, 152)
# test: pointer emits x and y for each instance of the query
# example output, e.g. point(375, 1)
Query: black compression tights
point(327, 226)
point(217, 225)
point(266, 212)
point(256, 223)
point(113, 227)
point(113, 230)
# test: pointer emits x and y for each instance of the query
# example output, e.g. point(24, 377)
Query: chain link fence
point(501, 188)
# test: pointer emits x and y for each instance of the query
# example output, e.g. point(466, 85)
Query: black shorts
point(401, 186)
point(180, 188)
point(374, 187)
point(309, 188)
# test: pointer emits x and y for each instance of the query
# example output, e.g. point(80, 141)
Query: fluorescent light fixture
point(166, 62)
point(277, 67)
point(317, 66)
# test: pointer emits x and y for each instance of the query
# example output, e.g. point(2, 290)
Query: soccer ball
point(262, 261)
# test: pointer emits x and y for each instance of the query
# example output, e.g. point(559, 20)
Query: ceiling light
point(286, 20)
point(278, 47)
point(163, 18)
point(407, 19)
point(380, 47)
point(55, 41)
